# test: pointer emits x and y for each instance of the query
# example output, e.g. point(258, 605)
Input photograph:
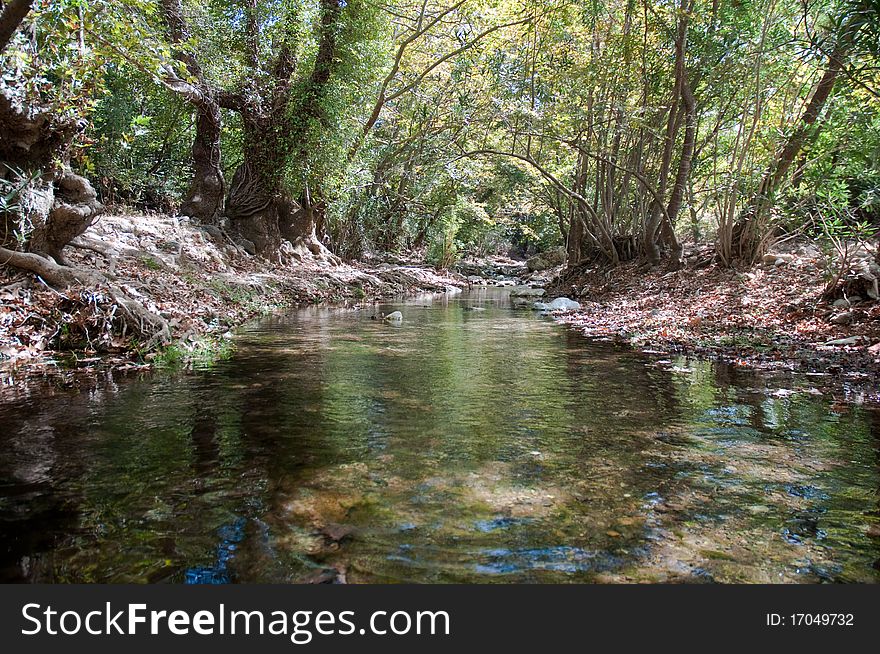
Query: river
point(472, 442)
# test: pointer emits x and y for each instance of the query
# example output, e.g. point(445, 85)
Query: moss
point(715, 555)
point(151, 263)
point(203, 353)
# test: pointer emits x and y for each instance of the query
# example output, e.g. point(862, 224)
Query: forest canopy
point(334, 128)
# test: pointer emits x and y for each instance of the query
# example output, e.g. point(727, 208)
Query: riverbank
point(195, 278)
point(771, 316)
point(204, 285)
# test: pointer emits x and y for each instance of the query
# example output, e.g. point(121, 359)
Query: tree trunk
point(74, 209)
point(255, 202)
point(258, 204)
point(301, 228)
point(660, 226)
point(689, 104)
point(750, 231)
point(204, 199)
point(206, 194)
point(13, 14)
point(54, 205)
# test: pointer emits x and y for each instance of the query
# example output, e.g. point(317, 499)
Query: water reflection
point(488, 446)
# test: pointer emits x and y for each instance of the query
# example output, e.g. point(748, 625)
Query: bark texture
point(11, 17)
point(205, 196)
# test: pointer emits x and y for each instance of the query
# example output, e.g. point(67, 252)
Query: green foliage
point(536, 80)
point(443, 246)
point(140, 143)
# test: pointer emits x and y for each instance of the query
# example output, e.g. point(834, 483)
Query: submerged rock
point(394, 316)
point(526, 291)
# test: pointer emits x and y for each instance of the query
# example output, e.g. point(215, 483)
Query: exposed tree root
point(309, 247)
point(408, 279)
point(136, 318)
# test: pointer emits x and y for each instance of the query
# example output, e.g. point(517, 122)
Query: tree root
point(109, 254)
point(145, 324)
point(407, 279)
point(310, 248)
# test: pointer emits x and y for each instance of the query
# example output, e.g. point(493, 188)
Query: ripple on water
point(458, 446)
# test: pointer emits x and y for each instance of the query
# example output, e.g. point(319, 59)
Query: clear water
point(459, 446)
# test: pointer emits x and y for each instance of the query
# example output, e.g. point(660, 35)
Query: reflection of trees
point(111, 484)
point(34, 465)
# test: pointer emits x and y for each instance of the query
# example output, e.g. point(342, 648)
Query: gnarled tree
point(205, 197)
point(52, 204)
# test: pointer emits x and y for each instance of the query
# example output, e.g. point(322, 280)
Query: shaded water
point(460, 446)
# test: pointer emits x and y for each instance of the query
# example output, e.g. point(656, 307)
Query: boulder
point(394, 316)
point(547, 259)
point(212, 230)
point(564, 304)
point(559, 304)
point(246, 245)
point(843, 318)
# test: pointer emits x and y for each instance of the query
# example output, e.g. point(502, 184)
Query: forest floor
point(771, 316)
point(202, 284)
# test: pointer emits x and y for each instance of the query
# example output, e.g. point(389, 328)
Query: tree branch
point(13, 14)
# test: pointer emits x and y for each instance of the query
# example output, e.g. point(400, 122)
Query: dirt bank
point(197, 279)
point(771, 316)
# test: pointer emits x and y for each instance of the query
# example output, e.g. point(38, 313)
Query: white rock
point(394, 316)
point(852, 340)
point(564, 304)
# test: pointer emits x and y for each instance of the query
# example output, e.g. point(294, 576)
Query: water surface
point(462, 445)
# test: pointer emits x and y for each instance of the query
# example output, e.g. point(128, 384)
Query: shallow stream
point(472, 442)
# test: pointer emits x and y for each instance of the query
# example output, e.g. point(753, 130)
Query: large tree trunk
point(253, 208)
point(74, 209)
point(207, 191)
point(256, 194)
point(259, 206)
point(54, 205)
point(204, 199)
